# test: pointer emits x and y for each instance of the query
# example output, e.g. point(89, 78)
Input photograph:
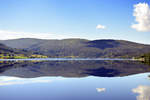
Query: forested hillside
point(11, 53)
point(80, 47)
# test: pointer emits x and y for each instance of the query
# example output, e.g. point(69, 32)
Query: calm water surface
point(94, 79)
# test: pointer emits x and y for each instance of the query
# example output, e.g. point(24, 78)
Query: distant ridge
point(80, 47)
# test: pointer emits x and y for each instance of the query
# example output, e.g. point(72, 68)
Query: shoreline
point(67, 59)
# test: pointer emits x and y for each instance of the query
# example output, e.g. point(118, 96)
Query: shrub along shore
point(20, 56)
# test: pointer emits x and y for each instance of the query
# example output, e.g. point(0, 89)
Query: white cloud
point(142, 15)
point(100, 26)
point(143, 91)
point(100, 89)
point(7, 34)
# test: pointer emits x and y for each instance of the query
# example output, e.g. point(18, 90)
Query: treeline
point(146, 58)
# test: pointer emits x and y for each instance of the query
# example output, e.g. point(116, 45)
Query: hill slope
point(5, 50)
point(80, 47)
point(8, 50)
point(13, 53)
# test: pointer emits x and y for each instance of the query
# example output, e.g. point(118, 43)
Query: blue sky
point(58, 19)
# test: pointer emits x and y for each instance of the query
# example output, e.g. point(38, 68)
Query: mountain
point(79, 47)
point(11, 53)
point(8, 50)
point(4, 49)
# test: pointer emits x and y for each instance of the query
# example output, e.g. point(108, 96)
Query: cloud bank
point(7, 34)
point(142, 17)
point(100, 26)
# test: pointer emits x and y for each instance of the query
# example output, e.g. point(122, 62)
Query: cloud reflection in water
point(143, 91)
point(101, 89)
point(5, 80)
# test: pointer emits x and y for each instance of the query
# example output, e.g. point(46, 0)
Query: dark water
point(74, 80)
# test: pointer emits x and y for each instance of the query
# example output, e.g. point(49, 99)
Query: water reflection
point(4, 80)
point(29, 69)
point(101, 89)
point(60, 88)
point(143, 91)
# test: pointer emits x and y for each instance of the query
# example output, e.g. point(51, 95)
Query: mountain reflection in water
point(73, 80)
point(28, 69)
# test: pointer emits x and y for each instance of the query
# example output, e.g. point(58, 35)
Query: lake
point(74, 79)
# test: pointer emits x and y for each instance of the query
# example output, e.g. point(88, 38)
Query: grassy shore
point(20, 56)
